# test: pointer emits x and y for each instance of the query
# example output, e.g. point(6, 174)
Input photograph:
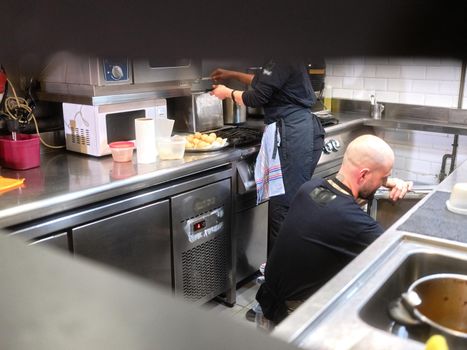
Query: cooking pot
point(438, 300)
point(233, 113)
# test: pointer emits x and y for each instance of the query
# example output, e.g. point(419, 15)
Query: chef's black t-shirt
point(281, 88)
point(323, 231)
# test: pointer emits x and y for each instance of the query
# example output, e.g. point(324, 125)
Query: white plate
point(211, 149)
point(455, 209)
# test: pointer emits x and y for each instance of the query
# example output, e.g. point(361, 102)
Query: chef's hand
point(222, 74)
point(221, 91)
point(398, 188)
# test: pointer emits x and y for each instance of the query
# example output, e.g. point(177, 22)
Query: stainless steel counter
point(339, 302)
point(67, 180)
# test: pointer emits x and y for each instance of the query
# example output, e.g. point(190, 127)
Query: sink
point(414, 266)
point(358, 302)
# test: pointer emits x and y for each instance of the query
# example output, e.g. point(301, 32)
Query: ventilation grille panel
point(80, 136)
point(205, 268)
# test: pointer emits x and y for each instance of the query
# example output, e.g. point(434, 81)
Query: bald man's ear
point(362, 175)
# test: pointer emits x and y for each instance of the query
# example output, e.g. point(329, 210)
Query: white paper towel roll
point(146, 151)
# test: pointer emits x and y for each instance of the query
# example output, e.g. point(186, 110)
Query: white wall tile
point(343, 70)
point(335, 82)
point(429, 179)
point(412, 98)
point(443, 73)
point(401, 85)
point(362, 95)
point(352, 83)
point(425, 86)
point(413, 72)
point(374, 84)
point(388, 71)
point(450, 62)
point(432, 61)
point(439, 101)
point(365, 71)
point(342, 93)
point(387, 96)
point(394, 136)
point(449, 87)
point(405, 151)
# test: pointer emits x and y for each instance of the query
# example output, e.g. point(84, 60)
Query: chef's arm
point(223, 74)
point(223, 92)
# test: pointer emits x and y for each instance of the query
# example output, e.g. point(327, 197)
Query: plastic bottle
point(328, 97)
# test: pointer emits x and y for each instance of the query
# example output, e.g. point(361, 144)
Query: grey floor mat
point(434, 219)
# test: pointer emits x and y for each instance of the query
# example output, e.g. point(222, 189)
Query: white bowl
point(457, 202)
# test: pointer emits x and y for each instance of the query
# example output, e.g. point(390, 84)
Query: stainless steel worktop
point(330, 319)
point(67, 180)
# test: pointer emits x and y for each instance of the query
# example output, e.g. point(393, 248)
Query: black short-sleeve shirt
point(281, 88)
point(319, 237)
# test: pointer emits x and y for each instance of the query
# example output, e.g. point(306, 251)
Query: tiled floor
point(245, 300)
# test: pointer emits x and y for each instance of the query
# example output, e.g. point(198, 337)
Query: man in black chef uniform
point(326, 227)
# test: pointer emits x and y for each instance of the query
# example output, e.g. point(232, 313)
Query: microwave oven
point(89, 129)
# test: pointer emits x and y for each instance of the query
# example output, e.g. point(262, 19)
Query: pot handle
point(400, 311)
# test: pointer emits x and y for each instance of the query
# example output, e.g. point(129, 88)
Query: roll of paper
point(146, 151)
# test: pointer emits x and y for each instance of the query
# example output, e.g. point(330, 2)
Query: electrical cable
point(18, 103)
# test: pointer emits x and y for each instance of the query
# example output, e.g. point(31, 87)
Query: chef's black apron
point(302, 139)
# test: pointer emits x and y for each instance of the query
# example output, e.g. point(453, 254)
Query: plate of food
point(199, 142)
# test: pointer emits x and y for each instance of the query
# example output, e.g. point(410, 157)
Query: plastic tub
point(171, 148)
point(122, 151)
point(24, 153)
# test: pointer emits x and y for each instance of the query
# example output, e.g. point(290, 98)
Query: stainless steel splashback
point(198, 112)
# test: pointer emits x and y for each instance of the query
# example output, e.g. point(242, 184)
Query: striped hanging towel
point(268, 172)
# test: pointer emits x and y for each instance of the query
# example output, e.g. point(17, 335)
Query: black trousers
point(302, 139)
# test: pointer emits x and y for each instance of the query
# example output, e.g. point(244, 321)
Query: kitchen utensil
point(457, 202)
point(233, 113)
point(437, 300)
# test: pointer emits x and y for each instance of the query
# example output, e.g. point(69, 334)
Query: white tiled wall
point(429, 82)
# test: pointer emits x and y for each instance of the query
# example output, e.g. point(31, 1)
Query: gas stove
point(240, 136)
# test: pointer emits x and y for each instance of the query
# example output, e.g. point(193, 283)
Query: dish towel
point(7, 183)
point(268, 172)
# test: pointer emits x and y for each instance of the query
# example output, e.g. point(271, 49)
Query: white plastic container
point(171, 148)
point(457, 202)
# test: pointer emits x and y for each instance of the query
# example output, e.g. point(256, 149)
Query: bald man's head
point(367, 163)
point(369, 151)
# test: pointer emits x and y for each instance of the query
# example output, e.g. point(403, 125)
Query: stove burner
point(241, 136)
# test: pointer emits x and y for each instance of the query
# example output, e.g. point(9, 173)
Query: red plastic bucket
point(24, 153)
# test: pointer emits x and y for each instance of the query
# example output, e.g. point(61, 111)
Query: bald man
point(326, 227)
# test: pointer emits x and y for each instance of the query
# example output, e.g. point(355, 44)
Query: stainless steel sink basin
point(413, 267)
point(359, 304)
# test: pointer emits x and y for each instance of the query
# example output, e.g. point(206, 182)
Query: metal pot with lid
point(438, 300)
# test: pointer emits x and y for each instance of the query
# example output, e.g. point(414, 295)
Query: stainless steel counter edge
point(314, 308)
point(53, 204)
